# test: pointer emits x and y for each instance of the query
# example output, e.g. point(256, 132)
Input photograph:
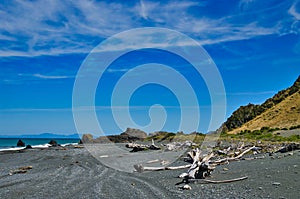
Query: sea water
point(11, 143)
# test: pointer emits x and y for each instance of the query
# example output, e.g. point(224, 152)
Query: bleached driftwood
point(179, 145)
point(200, 167)
point(232, 158)
point(162, 162)
point(218, 181)
point(140, 168)
point(20, 170)
point(142, 147)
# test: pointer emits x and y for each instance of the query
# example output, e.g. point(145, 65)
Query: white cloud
point(50, 76)
point(293, 11)
point(53, 27)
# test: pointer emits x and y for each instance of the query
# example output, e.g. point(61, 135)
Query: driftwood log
point(218, 181)
point(140, 168)
point(142, 147)
point(201, 166)
point(228, 159)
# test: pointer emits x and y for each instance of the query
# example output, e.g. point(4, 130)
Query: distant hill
point(43, 135)
point(280, 111)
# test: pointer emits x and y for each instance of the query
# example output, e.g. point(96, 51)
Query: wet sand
point(75, 173)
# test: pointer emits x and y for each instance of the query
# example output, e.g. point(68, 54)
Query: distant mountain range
point(282, 111)
point(43, 135)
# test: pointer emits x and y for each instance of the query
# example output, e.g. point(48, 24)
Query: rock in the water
point(53, 143)
point(87, 138)
point(28, 147)
point(20, 143)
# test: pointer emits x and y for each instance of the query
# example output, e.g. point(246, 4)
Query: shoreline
point(10, 144)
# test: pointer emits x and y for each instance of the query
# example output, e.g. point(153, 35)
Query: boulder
point(53, 143)
point(87, 138)
point(28, 147)
point(20, 143)
point(134, 134)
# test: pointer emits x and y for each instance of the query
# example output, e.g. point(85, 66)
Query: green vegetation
point(264, 134)
point(294, 127)
point(176, 137)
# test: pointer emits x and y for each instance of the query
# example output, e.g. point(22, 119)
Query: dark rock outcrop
point(28, 147)
point(289, 147)
point(20, 143)
point(53, 143)
point(131, 133)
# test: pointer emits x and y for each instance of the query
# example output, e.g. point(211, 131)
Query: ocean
point(11, 143)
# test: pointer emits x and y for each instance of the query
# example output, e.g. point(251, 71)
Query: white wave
point(63, 145)
point(41, 146)
point(13, 149)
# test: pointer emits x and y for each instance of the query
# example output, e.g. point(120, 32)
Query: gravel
point(75, 173)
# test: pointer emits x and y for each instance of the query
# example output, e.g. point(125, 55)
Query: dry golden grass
point(283, 115)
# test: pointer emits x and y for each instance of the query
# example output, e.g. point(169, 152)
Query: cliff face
point(281, 103)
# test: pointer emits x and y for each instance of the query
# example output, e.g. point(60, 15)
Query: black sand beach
point(75, 173)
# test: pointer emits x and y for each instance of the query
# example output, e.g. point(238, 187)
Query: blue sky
point(255, 45)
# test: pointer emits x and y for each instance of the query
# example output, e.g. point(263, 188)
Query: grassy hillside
point(269, 109)
point(283, 115)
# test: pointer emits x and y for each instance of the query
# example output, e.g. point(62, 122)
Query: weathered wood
point(218, 181)
point(233, 158)
point(153, 161)
point(141, 147)
point(20, 170)
point(140, 168)
point(200, 167)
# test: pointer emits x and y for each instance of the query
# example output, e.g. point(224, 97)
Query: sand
point(75, 173)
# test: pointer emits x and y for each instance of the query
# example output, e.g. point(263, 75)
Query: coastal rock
point(20, 143)
point(53, 143)
point(134, 134)
point(130, 135)
point(28, 147)
point(87, 138)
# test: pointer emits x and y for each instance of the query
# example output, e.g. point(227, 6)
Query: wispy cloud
point(251, 93)
point(110, 70)
point(293, 10)
point(50, 76)
point(78, 26)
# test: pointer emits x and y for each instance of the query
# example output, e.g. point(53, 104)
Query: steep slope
point(247, 113)
point(283, 115)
